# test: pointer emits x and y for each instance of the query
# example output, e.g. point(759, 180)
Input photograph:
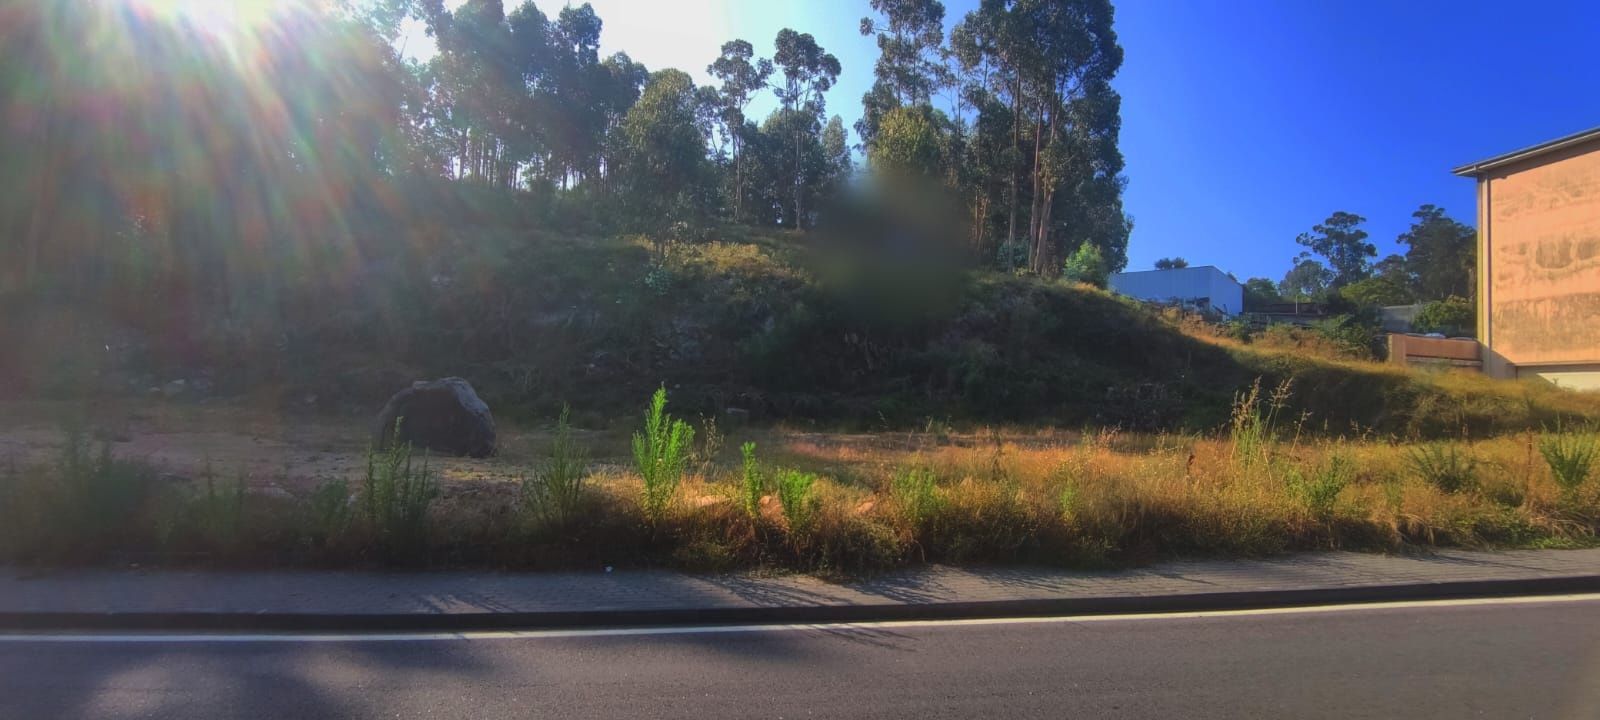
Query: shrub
point(395, 496)
point(797, 493)
point(1570, 456)
point(1087, 265)
point(1444, 466)
point(752, 484)
point(1454, 316)
point(555, 491)
point(1354, 335)
point(660, 454)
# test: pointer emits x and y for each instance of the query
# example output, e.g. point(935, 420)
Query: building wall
point(1574, 377)
point(1184, 284)
point(1540, 273)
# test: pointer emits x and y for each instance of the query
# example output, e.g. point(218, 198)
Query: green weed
point(797, 493)
point(752, 483)
point(1571, 457)
point(395, 496)
point(1253, 424)
point(219, 511)
point(916, 494)
point(1319, 489)
point(328, 512)
point(660, 454)
point(555, 493)
point(1067, 500)
point(96, 502)
point(1444, 466)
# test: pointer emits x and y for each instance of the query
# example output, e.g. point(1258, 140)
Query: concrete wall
point(1419, 350)
point(1539, 242)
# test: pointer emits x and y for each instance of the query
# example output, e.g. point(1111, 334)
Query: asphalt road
point(1524, 660)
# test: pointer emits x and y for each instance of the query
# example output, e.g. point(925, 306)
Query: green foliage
point(219, 512)
point(1442, 253)
point(1355, 335)
point(1253, 426)
point(808, 73)
point(1571, 457)
point(328, 512)
point(1087, 265)
point(1319, 488)
point(660, 454)
point(1341, 241)
point(395, 497)
point(555, 492)
point(87, 504)
point(1068, 500)
point(1376, 291)
point(1308, 281)
point(1453, 316)
point(907, 143)
point(1259, 292)
point(752, 483)
point(661, 154)
point(916, 493)
point(1445, 466)
point(1174, 263)
point(798, 496)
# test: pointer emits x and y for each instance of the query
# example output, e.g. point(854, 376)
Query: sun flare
point(216, 17)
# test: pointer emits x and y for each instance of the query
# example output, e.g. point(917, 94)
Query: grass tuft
point(554, 494)
point(1445, 466)
point(1571, 457)
point(395, 496)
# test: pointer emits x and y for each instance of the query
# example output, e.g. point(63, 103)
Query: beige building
point(1539, 261)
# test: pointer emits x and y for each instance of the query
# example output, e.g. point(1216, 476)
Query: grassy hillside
point(773, 324)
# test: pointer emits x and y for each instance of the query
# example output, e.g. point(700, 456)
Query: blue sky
point(1245, 122)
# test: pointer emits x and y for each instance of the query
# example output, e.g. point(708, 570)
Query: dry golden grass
point(998, 496)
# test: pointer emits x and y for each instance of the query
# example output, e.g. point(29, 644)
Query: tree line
point(139, 147)
point(1340, 264)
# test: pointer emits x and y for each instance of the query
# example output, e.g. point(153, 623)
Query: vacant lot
point(232, 485)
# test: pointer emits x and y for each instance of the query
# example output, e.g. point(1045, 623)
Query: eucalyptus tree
point(808, 73)
point(909, 35)
point(741, 80)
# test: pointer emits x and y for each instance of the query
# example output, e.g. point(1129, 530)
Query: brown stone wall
point(1544, 260)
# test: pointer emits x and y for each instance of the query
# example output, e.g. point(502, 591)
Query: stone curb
point(160, 622)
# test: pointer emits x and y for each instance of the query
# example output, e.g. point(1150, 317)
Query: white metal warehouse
point(1204, 287)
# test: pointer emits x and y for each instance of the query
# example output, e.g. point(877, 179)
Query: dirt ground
point(269, 449)
point(293, 453)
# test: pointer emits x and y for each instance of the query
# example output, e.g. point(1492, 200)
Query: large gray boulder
point(444, 416)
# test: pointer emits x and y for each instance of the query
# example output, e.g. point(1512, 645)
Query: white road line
point(720, 629)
